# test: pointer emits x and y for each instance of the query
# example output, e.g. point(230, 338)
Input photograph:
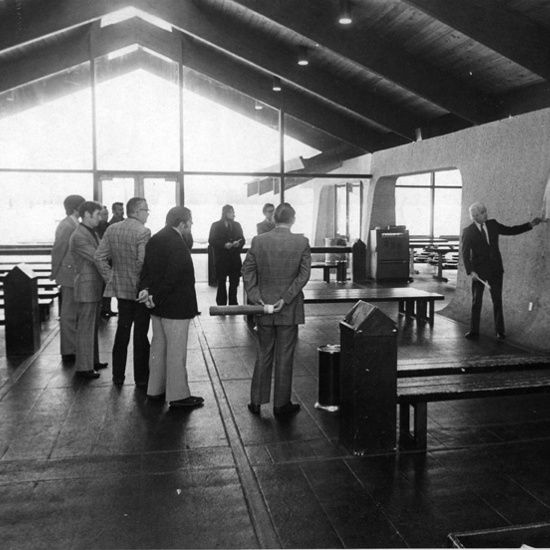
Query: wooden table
point(412, 302)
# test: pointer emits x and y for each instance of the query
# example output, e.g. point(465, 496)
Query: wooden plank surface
point(444, 388)
point(331, 295)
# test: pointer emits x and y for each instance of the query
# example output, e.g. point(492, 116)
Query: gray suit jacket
point(62, 260)
point(88, 283)
point(278, 265)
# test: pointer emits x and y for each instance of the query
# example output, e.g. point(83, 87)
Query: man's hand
point(143, 296)
point(278, 305)
point(228, 245)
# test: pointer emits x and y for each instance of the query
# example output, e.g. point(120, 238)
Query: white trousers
point(168, 358)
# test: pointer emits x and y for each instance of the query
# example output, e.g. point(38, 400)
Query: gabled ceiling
point(402, 68)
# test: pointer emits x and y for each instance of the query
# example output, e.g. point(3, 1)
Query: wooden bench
point(412, 302)
point(417, 391)
point(535, 535)
point(339, 267)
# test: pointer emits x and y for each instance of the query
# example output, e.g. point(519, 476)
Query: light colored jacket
point(88, 283)
point(62, 261)
point(278, 265)
point(124, 244)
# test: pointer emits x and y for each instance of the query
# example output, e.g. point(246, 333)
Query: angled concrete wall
point(505, 165)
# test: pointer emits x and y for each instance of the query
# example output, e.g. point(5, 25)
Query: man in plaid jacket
point(124, 244)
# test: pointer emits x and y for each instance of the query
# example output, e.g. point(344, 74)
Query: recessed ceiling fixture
point(276, 85)
point(303, 57)
point(345, 13)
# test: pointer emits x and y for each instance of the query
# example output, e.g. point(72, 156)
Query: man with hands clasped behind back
point(483, 262)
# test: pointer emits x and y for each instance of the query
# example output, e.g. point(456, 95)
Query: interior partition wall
point(137, 123)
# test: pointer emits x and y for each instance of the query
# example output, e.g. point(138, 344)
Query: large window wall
point(137, 123)
point(428, 204)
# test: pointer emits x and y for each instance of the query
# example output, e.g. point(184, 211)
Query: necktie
point(483, 232)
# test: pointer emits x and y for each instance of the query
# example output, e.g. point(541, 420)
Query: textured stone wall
point(505, 165)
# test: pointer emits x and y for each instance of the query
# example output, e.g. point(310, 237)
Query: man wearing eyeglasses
point(124, 244)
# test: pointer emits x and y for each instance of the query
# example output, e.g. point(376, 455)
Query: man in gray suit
point(88, 290)
point(63, 274)
point(276, 268)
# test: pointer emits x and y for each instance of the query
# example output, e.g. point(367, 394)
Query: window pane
point(224, 131)
point(117, 189)
point(448, 178)
point(416, 179)
point(447, 211)
point(412, 209)
point(161, 196)
point(33, 204)
point(137, 112)
point(355, 209)
point(48, 124)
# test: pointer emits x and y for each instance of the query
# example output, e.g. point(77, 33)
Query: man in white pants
point(167, 287)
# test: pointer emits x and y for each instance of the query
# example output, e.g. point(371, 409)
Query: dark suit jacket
point(228, 261)
point(278, 265)
point(264, 226)
point(483, 258)
point(169, 275)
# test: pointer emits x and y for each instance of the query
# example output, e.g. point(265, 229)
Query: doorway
point(161, 190)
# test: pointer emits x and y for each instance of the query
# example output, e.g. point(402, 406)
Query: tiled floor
point(84, 464)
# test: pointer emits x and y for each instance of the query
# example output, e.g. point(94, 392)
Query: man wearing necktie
point(483, 262)
point(227, 240)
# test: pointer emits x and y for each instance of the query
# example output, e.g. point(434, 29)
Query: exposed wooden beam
point(511, 34)
point(315, 21)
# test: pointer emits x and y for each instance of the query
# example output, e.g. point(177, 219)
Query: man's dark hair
point(284, 213)
point(72, 202)
point(132, 206)
point(267, 206)
point(90, 207)
point(178, 214)
point(227, 208)
point(115, 204)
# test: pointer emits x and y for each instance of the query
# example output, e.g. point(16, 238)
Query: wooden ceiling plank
point(376, 54)
point(511, 34)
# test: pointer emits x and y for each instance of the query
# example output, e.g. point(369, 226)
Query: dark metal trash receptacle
point(329, 378)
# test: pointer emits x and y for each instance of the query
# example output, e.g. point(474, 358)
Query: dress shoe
point(253, 408)
point(99, 366)
point(87, 374)
point(69, 358)
point(191, 401)
point(286, 409)
point(159, 397)
point(501, 336)
point(471, 335)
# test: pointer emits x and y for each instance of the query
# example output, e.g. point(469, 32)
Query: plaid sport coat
point(278, 265)
point(88, 284)
point(124, 244)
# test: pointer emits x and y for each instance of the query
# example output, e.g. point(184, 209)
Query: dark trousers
point(495, 282)
point(131, 312)
point(221, 295)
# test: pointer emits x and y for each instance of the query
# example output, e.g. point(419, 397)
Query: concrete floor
point(85, 464)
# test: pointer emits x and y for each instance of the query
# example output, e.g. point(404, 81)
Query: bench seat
point(417, 392)
point(339, 267)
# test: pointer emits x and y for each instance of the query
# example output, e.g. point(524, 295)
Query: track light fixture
point(276, 85)
point(257, 105)
point(345, 13)
point(303, 57)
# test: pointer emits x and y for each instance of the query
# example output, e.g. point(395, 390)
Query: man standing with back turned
point(483, 262)
point(275, 270)
point(124, 244)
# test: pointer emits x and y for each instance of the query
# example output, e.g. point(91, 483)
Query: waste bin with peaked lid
point(22, 311)
point(368, 380)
